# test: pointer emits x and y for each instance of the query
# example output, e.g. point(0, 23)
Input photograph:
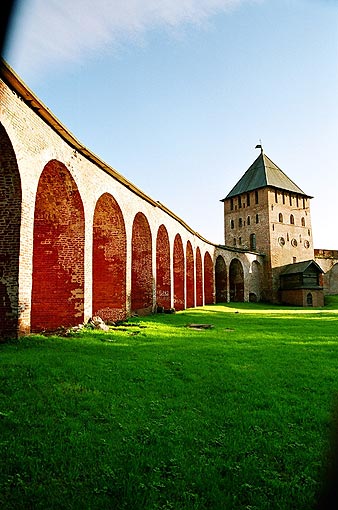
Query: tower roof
point(262, 173)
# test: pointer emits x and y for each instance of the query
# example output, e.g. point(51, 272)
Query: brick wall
point(141, 272)
point(58, 251)
point(221, 280)
point(81, 239)
point(199, 278)
point(10, 219)
point(109, 260)
point(209, 284)
point(190, 277)
point(163, 280)
point(179, 298)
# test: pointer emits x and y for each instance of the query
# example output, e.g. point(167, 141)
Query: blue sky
point(175, 94)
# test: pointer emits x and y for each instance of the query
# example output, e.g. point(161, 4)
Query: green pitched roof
point(262, 173)
point(300, 267)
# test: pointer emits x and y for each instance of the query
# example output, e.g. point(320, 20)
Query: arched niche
point(10, 221)
point(141, 266)
point(109, 260)
point(178, 263)
point(208, 279)
point(221, 280)
point(163, 280)
point(236, 280)
point(199, 278)
point(190, 276)
point(58, 251)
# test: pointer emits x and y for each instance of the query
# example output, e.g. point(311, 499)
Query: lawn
point(156, 415)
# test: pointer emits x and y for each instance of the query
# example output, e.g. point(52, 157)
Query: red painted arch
point(190, 276)
point(141, 265)
point(178, 273)
point(163, 281)
point(109, 260)
point(208, 279)
point(58, 251)
point(199, 278)
point(10, 220)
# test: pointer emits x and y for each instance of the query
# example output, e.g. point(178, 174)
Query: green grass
point(159, 416)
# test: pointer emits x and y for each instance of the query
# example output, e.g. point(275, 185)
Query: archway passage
point(58, 251)
point(178, 273)
point(141, 266)
point(208, 279)
point(163, 281)
point(10, 220)
point(190, 276)
point(199, 278)
point(221, 280)
point(109, 260)
point(236, 277)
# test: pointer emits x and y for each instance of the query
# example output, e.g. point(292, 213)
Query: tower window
point(256, 197)
point(239, 240)
point(234, 241)
point(276, 197)
point(257, 218)
point(304, 203)
point(283, 196)
point(292, 219)
point(303, 222)
point(297, 201)
point(248, 199)
point(280, 218)
point(253, 242)
point(240, 222)
point(248, 221)
point(240, 202)
point(290, 199)
point(232, 224)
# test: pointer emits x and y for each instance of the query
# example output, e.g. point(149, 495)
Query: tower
point(267, 212)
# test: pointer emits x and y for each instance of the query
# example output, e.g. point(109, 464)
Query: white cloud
point(54, 32)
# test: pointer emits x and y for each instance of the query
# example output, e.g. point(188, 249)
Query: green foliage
point(157, 415)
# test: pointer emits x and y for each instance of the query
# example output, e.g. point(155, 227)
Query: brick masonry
point(78, 239)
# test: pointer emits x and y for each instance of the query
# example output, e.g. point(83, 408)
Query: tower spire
point(260, 146)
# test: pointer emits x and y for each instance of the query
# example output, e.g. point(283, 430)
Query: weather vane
point(260, 146)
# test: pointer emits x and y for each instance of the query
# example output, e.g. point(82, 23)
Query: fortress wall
point(68, 196)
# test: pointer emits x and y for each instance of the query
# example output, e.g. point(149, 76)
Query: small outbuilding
point(301, 284)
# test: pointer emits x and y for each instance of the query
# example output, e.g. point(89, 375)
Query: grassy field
point(156, 415)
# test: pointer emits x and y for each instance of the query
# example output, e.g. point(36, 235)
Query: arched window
point(292, 219)
point(280, 218)
point(303, 222)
